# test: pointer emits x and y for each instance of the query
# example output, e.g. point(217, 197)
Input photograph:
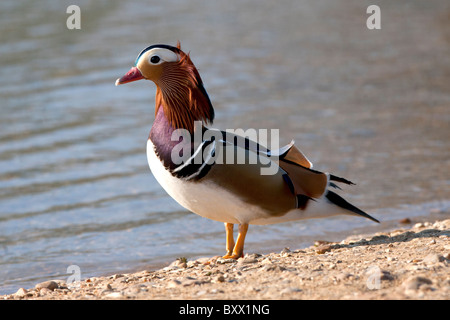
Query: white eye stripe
point(165, 55)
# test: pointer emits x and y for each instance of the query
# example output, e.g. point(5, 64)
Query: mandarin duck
point(231, 192)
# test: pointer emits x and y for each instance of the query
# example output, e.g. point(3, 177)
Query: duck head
point(179, 87)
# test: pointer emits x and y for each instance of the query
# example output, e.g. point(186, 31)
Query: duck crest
point(181, 93)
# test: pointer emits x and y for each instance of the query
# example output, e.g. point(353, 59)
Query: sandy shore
point(409, 263)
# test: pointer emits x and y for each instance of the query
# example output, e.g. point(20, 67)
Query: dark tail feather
point(341, 202)
point(339, 179)
point(334, 185)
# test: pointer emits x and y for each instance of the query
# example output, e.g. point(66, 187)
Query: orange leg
point(230, 239)
point(238, 248)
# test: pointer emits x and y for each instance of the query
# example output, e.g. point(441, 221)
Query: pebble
point(44, 291)
point(386, 275)
point(344, 276)
point(191, 282)
point(223, 261)
point(405, 220)
point(192, 264)
point(214, 291)
point(422, 225)
point(50, 285)
point(21, 293)
point(134, 289)
point(432, 258)
point(415, 282)
point(203, 260)
point(113, 295)
point(219, 278)
point(201, 293)
point(246, 260)
point(290, 290)
point(179, 263)
point(323, 248)
point(173, 283)
point(379, 238)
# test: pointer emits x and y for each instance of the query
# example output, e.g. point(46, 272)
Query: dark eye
point(155, 59)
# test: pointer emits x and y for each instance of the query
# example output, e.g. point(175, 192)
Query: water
point(75, 188)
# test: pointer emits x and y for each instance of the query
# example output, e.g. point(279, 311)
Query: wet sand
point(408, 263)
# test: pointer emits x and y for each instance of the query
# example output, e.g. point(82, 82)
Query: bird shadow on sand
point(402, 237)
